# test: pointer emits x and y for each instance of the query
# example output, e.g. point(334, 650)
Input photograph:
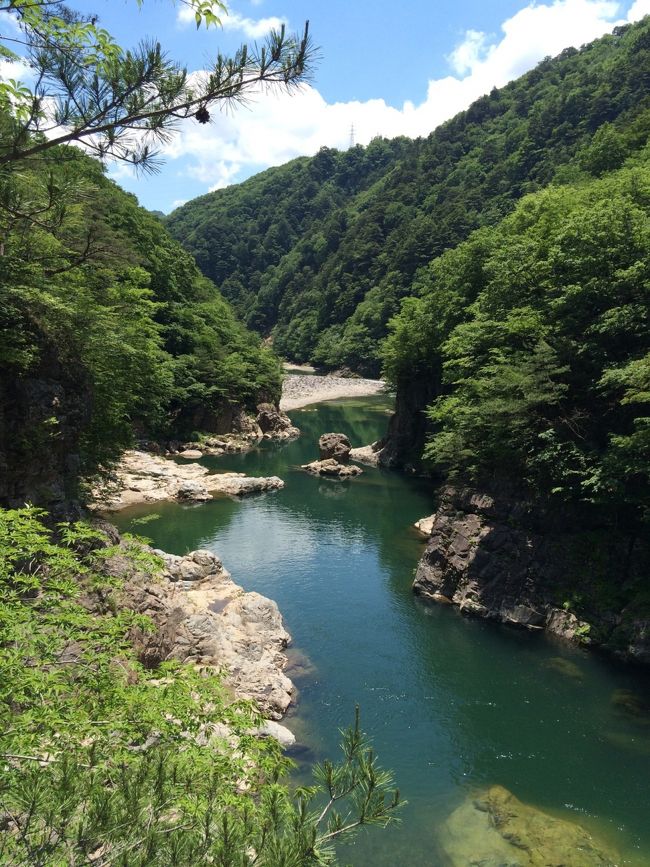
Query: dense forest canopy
point(108, 331)
point(320, 252)
point(533, 340)
point(96, 298)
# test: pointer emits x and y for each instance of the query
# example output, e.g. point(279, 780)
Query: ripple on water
point(455, 706)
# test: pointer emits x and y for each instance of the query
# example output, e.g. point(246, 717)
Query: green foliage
point(95, 295)
point(106, 762)
point(124, 103)
point(320, 253)
point(534, 339)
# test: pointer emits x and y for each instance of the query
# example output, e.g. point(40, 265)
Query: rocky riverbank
point(299, 390)
point(201, 616)
point(504, 558)
point(141, 477)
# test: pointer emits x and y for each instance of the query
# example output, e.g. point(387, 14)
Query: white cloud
point(250, 27)
point(638, 10)
point(277, 127)
point(17, 70)
point(466, 55)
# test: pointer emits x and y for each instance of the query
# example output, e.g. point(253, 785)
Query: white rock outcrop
point(141, 477)
point(202, 616)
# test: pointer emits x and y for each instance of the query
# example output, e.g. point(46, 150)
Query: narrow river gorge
point(453, 705)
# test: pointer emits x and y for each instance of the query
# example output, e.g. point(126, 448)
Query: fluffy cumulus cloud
point(276, 127)
point(250, 27)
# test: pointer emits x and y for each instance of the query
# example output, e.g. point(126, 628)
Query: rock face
point(370, 455)
point(494, 829)
point(202, 616)
point(275, 424)
point(41, 416)
point(145, 478)
point(408, 426)
point(425, 525)
point(244, 433)
point(501, 558)
point(332, 468)
point(335, 446)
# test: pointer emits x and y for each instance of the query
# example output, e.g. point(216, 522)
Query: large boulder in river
point(336, 446)
point(275, 424)
point(332, 468)
point(493, 828)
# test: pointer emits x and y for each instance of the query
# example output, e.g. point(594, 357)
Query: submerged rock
point(335, 446)
point(632, 705)
point(494, 829)
point(564, 667)
point(333, 468)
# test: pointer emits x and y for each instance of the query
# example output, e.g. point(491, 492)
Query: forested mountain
point(530, 342)
point(325, 249)
point(106, 327)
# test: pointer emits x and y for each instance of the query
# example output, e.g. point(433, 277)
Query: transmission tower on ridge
point(352, 142)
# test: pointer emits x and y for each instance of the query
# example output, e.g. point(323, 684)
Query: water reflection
point(453, 704)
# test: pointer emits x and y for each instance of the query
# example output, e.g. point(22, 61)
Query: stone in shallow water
point(495, 829)
point(334, 445)
point(333, 468)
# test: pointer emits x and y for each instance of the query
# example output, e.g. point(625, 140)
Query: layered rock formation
point(201, 616)
point(141, 477)
point(245, 432)
point(508, 559)
point(275, 424)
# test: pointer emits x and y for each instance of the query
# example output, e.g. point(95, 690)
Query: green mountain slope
point(320, 252)
point(107, 329)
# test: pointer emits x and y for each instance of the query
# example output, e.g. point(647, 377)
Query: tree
point(106, 761)
point(122, 103)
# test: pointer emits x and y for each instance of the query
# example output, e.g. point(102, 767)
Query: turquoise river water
point(452, 704)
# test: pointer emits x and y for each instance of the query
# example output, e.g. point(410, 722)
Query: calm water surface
point(452, 704)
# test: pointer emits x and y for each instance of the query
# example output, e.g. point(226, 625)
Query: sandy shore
point(299, 391)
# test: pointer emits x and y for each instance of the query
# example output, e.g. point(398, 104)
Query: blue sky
point(389, 68)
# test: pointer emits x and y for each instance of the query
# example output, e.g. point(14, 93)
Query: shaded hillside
point(320, 252)
point(107, 329)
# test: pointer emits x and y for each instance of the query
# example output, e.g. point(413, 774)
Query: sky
point(386, 68)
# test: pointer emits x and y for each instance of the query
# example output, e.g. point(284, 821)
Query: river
point(452, 704)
